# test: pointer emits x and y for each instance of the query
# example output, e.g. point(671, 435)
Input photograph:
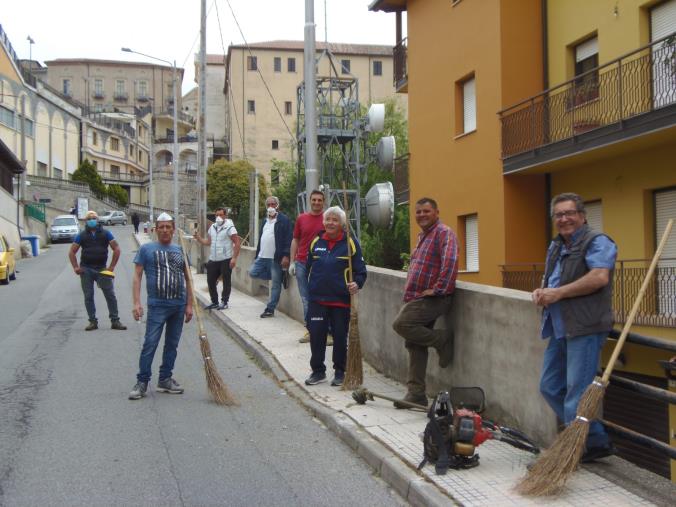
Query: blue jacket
point(283, 237)
point(327, 270)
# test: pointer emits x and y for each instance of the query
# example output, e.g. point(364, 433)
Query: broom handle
point(198, 310)
point(637, 302)
point(347, 228)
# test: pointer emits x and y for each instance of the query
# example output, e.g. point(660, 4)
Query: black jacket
point(283, 237)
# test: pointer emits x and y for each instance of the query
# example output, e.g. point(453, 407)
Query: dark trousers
point(415, 323)
point(319, 318)
point(136, 227)
point(214, 270)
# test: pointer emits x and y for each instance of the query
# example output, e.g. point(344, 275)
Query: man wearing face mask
point(224, 246)
point(95, 241)
point(272, 253)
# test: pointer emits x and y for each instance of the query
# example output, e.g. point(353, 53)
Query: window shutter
point(472, 242)
point(663, 20)
point(586, 49)
point(665, 208)
point(469, 105)
point(594, 215)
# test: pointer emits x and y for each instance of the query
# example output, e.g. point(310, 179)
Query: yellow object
point(7, 263)
point(105, 272)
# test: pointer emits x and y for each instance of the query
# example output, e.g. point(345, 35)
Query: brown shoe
point(446, 351)
point(116, 324)
point(417, 399)
point(92, 325)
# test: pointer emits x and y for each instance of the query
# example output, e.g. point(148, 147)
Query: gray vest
point(582, 315)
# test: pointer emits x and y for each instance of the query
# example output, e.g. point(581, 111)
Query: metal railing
point(116, 176)
point(636, 83)
point(111, 123)
point(28, 77)
point(36, 210)
point(401, 181)
point(400, 57)
point(659, 303)
point(120, 96)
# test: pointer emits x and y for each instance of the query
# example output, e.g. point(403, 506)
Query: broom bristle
point(354, 371)
point(218, 389)
point(592, 400)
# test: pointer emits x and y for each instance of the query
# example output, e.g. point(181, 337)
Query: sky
point(169, 29)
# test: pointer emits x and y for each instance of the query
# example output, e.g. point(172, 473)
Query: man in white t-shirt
point(272, 254)
point(224, 246)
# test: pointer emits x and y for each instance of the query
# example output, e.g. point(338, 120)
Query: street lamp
point(174, 155)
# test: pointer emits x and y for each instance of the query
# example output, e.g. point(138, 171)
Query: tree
point(286, 188)
point(119, 194)
point(87, 173)
point(228, 186)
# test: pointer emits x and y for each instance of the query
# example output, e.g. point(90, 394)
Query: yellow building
point(562, 96)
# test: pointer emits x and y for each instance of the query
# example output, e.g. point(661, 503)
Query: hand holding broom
point(218, 389)
point(550, 473)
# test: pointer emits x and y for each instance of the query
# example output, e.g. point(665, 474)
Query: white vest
point(221, 244)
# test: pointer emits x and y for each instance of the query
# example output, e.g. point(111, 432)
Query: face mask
point(92, 222)
point(219, 221)
point(272, 211)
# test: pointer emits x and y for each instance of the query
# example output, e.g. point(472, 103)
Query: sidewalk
point(387, 438)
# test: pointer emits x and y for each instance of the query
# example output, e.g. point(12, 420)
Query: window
point(170, 93)
point(114, 144)
point(468, 104)
point(115, 171)
point(95, 138)
point(287, 107)
point(42, 169)
point(665, 208)
point(275, 144)
point(278, 64)
point(131, 150)
point(594, 215)
point(586, 87)
point(66, 87)
point(291, 65)
point(29, 127)
point(96, 164)
point(251, 106)
point(142, 89)
point(274, 176)
point(662, 24)
point(98, 88)
point(472, 242)
point(345, 66)
point(251, 63)
point(377, 68)
point(7, 116)
point(58, 173)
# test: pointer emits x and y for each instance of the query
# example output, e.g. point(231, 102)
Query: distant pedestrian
point(135, 220)
point(169, 304)
point(224, 249)
point(272, 254)
point(94, 241)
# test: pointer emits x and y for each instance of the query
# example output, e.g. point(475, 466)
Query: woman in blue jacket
point(329, 293)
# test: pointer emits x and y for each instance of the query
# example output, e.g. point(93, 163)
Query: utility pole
point(175, 156)
point(309, 74)
point(202, 138)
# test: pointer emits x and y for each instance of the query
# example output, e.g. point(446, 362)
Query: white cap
point(165, 217)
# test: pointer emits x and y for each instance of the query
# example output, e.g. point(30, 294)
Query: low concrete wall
point(497, 344)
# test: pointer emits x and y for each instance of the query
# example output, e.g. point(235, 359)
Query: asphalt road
point(69, 436)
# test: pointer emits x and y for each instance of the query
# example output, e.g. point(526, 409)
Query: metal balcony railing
point(401, 180)
point(659, 303)
point(99, 95)
point(111, 123)
point(637, 83)
point(400, 55)
point(118, 176)
point(121, 96)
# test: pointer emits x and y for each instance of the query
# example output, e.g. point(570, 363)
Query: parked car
point(113, 217)
point(64, 227)
point(7, 262)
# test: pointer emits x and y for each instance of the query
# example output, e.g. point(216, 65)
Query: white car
point(113, 218)
point(64, 227)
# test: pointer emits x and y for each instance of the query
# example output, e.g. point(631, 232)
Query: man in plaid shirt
point(427, 296)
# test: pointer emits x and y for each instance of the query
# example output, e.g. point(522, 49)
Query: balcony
point(400, 55)
point(99, 95)
point(630, 97)
point(120, 96)
point(117, 177)
point(142, 98)
point(659, 303)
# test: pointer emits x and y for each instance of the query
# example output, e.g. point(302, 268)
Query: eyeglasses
point(567, 214)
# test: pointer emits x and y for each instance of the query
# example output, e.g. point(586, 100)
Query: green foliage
point(228, 186)
point(87, 173)
point(119, 194)
point(286, 189)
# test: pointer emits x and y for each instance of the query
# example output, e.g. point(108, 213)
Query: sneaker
point(169, 385)
point(317, 377)
point(446, 351)
point(329, 340)
point(267, 313)
point(92, 325)
point(339, 378)
point(139, 391)
point(418, 399)
point(305, 338)
point(211, 306)
point(116, 324)
point(223, 306)
point(594, 453)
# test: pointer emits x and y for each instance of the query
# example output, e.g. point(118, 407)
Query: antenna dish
point(376, 117)
point(385, 151)
point(380, 205)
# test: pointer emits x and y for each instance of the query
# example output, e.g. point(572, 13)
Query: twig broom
point(217, 388)
point(550, 473)
point(354, 370)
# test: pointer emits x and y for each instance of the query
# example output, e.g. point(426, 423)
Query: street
point(69, 435)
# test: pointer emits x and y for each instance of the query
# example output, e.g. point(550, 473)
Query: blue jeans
point(105, 283)
point(268, 269)
point(301, 279)
point(158, 316)
point(570, 365)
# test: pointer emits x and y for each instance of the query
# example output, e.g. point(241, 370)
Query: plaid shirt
point(434, 263)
